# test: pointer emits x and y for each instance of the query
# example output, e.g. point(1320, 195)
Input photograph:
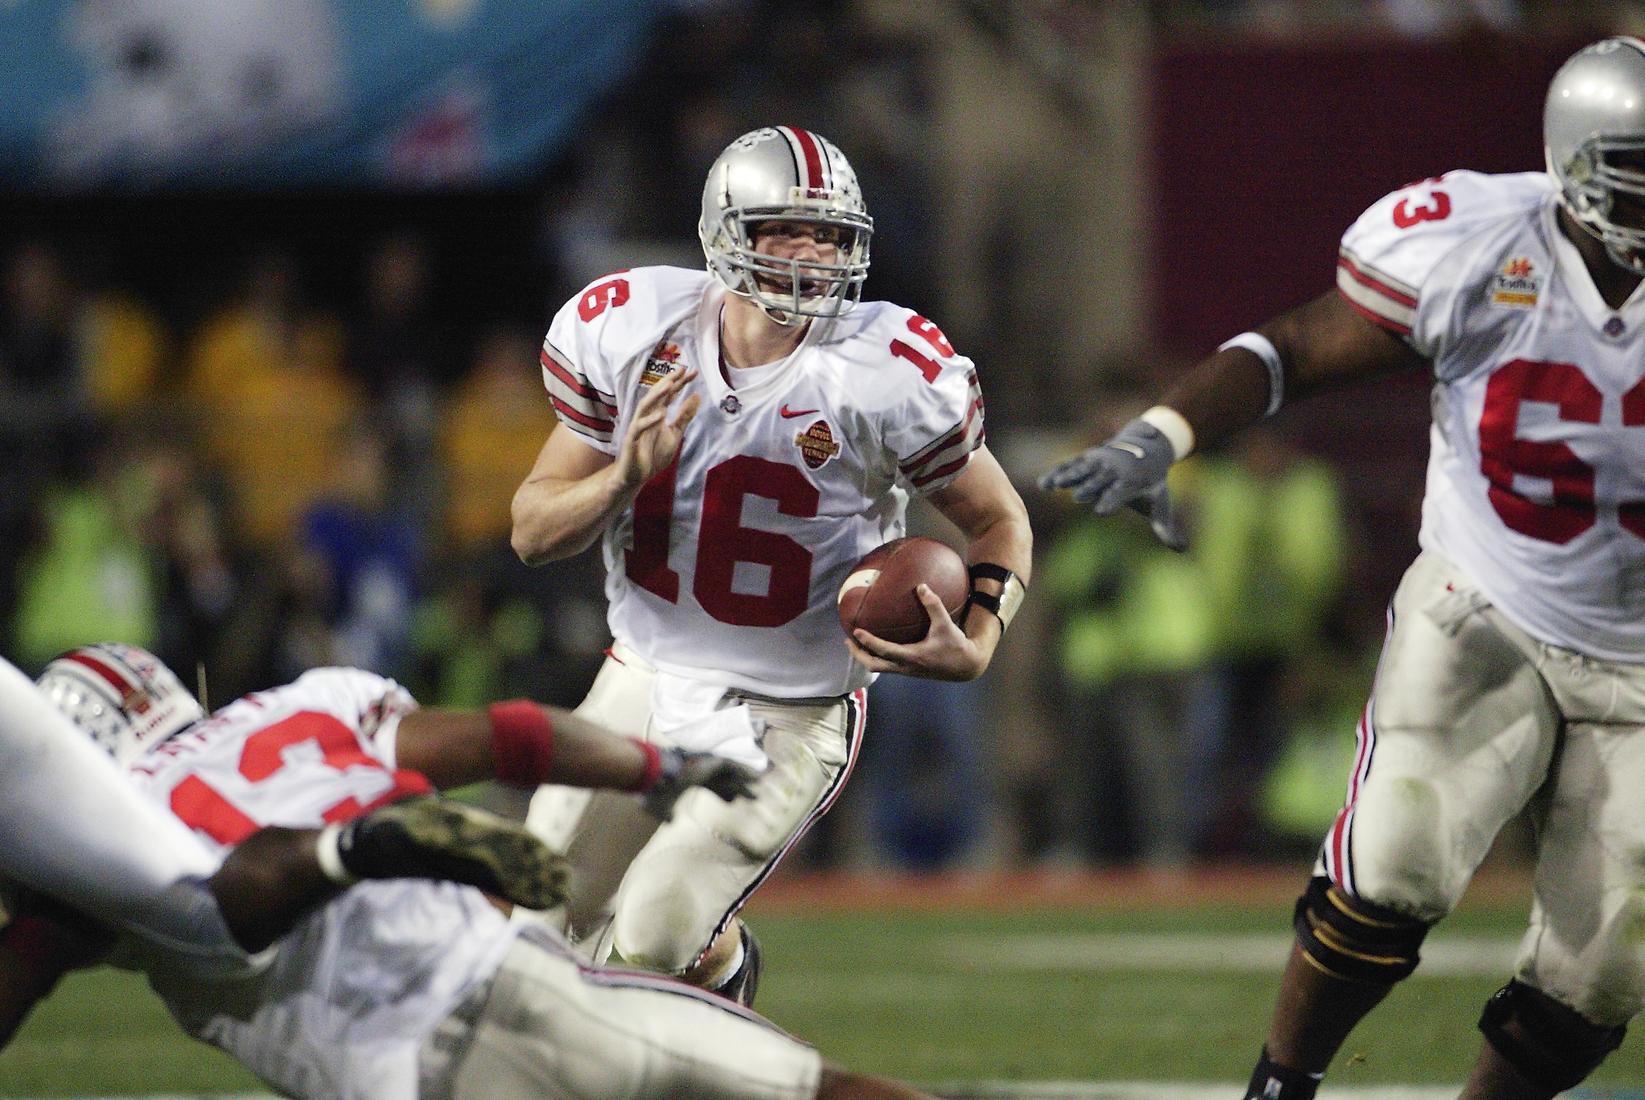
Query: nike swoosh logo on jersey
point(787, 413)
point(1129, 448)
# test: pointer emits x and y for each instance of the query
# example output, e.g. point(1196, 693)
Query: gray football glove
point(1128, 469)
point(683, 770)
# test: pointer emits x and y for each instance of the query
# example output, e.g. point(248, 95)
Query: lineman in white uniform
point(75, 830)
point(804, 421)
point(1513, 675)
point(420, 990)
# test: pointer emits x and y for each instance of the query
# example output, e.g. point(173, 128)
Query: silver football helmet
point(123, 696)
point(783, 173)
point(1595, 112)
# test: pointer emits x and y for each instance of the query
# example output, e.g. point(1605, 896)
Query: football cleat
point(436, 838)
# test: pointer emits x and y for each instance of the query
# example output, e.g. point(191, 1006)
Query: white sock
point(731, 969)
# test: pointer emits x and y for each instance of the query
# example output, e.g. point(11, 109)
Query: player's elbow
point(530, 545)
point(528, 536)
point(537, 542)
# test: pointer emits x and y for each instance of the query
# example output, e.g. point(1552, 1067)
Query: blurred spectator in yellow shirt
point(493, 429)
point(1271, 542)
point(266, 373)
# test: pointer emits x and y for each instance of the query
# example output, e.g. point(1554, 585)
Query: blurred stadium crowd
point(304, 454)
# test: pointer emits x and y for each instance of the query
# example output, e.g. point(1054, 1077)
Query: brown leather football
point(878, 595)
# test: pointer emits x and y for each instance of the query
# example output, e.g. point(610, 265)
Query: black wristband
point(985, 600)
point(988, 571)
point(1002, 605)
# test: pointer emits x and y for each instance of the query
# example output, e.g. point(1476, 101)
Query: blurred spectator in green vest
point(1136, 629)
point(1305, 785)
point(88, 575)
point(1270, 540)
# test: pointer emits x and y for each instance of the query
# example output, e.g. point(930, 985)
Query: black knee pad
point(1355, 940)
point(1553, 1046)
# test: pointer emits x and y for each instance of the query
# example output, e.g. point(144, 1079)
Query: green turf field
point(1056, 991)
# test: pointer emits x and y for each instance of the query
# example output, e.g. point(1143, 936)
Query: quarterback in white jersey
point(416, 990)
point(1513, 675)
point(738, 438)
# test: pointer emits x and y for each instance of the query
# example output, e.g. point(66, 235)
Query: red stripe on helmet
point(813, 157)
point(122, 686)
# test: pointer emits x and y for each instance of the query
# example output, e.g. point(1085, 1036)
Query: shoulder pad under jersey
point(1388, 254)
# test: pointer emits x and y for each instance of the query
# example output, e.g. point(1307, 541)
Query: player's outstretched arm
point(986, 508)
point(1321, 345)
point(1314, 347)
point(574, 491)
point(527, 744)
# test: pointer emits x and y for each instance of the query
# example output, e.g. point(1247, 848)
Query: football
point(878, 595)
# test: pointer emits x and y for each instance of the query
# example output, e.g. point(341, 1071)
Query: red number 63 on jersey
point(1505, 456)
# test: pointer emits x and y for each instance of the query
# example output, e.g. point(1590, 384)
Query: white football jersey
point(1536, 476)
point(354, 989)
point(728, 564)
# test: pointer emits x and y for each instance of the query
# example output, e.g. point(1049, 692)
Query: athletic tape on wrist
point(1174, 427)
point(1263, 348)
point(1002, 606)
point(522, 742)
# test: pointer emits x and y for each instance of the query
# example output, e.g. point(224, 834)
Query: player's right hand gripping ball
point(878, 595)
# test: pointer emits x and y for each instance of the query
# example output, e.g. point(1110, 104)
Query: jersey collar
point(713, 379)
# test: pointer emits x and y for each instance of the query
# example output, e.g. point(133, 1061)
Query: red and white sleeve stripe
point(948, 454)
point(1378, 297)
point(580, 407)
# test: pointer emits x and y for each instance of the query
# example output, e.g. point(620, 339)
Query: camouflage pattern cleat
point(436, 838)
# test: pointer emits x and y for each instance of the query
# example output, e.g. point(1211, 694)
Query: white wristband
point(1174, 427)
point(330, 859)
point(1263, 348)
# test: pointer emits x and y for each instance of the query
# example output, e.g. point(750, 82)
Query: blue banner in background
point(143, 94)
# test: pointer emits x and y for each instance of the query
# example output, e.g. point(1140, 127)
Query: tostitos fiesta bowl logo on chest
point(663, 360)
point(1516, 284)
point(817, 444)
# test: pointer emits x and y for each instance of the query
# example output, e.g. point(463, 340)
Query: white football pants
point(551, 1029)
point(661, 894)
point(73, 828)
point(1472, 720)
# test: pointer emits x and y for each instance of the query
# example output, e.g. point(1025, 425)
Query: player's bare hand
point(945, 653)
point(654, 438)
